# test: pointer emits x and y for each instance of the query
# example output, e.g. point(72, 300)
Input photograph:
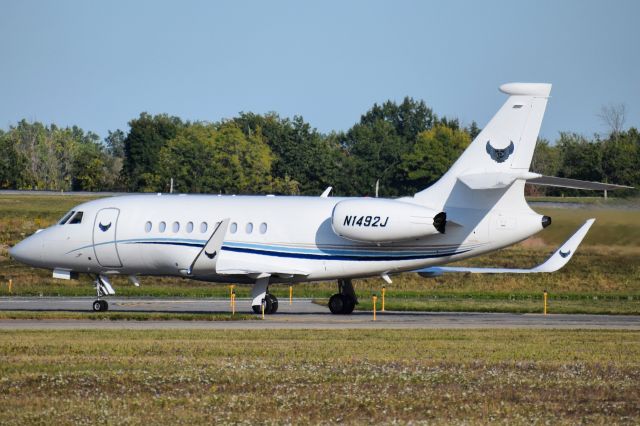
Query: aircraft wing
point(556, 261)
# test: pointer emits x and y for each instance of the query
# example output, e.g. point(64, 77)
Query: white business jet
point(477, 207)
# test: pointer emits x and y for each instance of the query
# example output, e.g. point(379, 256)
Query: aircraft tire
point(100, 305)
point(337, 304)
point(349, 305)
point(268, 305)
point(274, 304)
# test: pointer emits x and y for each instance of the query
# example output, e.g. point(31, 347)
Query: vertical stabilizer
point(503, 150)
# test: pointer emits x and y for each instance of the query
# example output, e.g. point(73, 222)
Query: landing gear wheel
point(339, 304)
point(274, 304)
point(270, 305)
point(100, 305)
point(349, 305)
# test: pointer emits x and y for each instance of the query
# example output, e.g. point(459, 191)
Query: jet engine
point(375, 220)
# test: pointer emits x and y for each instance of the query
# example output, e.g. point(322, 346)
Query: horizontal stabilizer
point(493, 180)
point(556, 261)
point(575, 184)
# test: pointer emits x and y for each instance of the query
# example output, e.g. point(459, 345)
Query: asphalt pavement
point(301, 314)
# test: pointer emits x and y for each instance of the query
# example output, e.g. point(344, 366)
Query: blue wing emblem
point(564, 254)
point(500, 155)
point(104, 228)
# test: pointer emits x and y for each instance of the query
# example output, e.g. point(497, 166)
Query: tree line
point(405, 146)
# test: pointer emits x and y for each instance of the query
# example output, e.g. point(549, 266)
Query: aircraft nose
point(27, 251)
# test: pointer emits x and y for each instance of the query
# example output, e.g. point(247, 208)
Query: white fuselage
point(291, 238)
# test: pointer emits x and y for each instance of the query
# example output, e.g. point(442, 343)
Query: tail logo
point(500, 155)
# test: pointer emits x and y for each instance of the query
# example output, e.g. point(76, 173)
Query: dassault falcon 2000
point(478, 206)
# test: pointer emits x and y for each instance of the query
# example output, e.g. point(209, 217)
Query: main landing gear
point(270, 305)
point(343, 302)
point(261, 296)
point(103, 288)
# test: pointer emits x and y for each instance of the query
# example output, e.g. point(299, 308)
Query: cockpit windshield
point(77, 218)
point(66, 217)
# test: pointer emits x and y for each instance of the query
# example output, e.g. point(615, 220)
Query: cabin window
point(203, 227)
point(66, 217)
point(263, 228)
point(148, 226)
point(176, 226)
point(189, 227)
point(234, 228)
point(77, 218)
point(249, 228)
point(162, 226)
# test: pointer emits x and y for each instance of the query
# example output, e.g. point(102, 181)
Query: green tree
point(147, 136)
point(433, 154)
point(12, 164)
point(580, 158)
point(301, 153)
point(621, 157)
point(89, 168)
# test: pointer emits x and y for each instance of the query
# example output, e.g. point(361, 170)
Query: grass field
point(391, 376)
point(603, 277)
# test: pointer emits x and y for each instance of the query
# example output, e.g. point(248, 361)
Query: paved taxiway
point(302, 314)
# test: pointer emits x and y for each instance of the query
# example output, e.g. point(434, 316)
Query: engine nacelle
point(381, 221)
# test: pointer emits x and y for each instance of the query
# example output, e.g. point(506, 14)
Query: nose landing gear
point(103, 288)
point(100, 305)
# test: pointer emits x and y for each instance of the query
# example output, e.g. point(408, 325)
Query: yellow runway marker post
point(10, 286)
point(545, 302)
point(233, 303)
point(290, 295)
point(262, 307)
point(231, 293)
point(384, 289)
point(375, 299)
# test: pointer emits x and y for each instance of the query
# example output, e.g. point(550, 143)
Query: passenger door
point(104, 238)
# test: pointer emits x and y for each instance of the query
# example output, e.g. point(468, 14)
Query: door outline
point(112, 230)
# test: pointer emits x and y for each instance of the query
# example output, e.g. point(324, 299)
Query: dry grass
point(392, 376)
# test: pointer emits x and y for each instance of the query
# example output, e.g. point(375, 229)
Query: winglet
point(326, 192)
point(557, 260)
point(564, 254)
point(207, 263)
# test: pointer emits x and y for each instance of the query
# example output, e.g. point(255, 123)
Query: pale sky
point(99, 64)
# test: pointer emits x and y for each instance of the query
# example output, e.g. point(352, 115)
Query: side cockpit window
point(66, 217)
point(77, 218)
